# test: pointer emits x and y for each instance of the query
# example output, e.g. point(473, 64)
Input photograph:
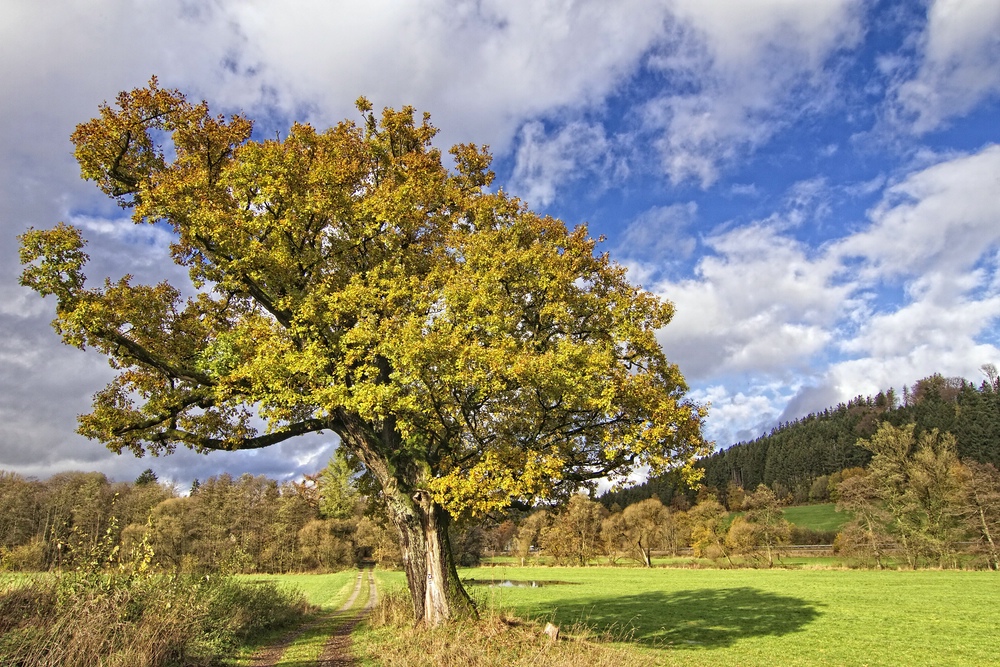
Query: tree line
point(916, 504)
point(225, 524)
point(918, 477)
point(584, 529)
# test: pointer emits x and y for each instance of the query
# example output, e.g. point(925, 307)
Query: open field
point(327, 592)
point(762, 617)
point(817, 517)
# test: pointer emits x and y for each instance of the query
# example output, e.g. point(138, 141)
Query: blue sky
point(814, 184)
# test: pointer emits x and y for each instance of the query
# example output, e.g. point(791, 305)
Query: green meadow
point(816, 517)
point(326, 593)
point(669, 616)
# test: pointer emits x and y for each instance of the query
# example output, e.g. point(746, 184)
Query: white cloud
point(869, 375)
point(809, 199)
point(545, 163)
point(925, 324)
point(742, 414)
point(762, 302)
point(58, 61)
point(481, 68)
point(941, 218)
point(959, 52)
point(661, 235)
point(748, 67)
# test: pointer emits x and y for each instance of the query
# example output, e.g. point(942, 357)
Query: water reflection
point(509, 583)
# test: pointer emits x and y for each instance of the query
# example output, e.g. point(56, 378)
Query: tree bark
point(984, 527)
point(435, 589)
point(444, 597)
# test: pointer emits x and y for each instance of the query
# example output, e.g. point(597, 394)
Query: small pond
point(507, 583)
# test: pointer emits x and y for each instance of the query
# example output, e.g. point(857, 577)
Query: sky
point(815, 185)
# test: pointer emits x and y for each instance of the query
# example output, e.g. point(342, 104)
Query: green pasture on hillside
point(816, 517)
point(762, 617)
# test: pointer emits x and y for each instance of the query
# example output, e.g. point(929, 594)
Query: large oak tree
point(468, 352)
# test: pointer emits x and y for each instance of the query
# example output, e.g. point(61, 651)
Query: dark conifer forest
point(794, 455)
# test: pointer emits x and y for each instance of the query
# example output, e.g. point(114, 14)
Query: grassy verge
point(130, 620)
point(712, 617)
point(325, 593)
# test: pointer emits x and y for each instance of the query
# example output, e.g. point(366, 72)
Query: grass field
point(325, 591)
point(763, 617)
point(816, 517)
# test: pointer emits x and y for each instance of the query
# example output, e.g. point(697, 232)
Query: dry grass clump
point(496, 640)
point(111, 620)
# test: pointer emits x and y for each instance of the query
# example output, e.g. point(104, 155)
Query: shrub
point(800, 535)
point(29, 557)
point(236, 611)
point(119, 619)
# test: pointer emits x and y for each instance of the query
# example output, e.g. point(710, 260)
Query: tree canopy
point(468, 352)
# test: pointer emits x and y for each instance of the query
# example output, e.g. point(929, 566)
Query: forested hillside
point(793, 456)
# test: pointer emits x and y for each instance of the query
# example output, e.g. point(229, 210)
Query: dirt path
point(337, 647)
point(337, 652)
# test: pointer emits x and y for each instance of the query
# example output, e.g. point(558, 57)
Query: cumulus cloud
point(760, 302)
point(763, 302)
point(481, 68)
point(959, 48)
point(544, 163)
point(940, 218)
point(736, 72)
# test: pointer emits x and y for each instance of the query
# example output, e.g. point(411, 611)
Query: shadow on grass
point(701, 618)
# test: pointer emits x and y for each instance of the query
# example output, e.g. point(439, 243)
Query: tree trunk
point(435, 588)
point(444, 597)
point(984, 526)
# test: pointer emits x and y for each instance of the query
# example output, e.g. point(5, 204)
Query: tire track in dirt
point(271, 655)
point(337, 651)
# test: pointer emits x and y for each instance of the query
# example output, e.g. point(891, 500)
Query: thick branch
point(258, 442)
point(146, 357)
point(202, 399)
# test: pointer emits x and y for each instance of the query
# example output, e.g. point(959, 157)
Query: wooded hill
point(794, 455)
